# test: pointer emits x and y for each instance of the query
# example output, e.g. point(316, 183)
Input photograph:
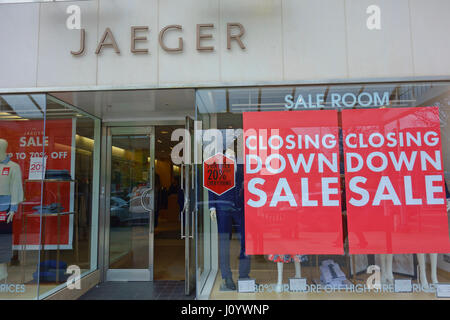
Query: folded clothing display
point(331, 274)
point(57, 174)
point(51, 208)
point(49, 269)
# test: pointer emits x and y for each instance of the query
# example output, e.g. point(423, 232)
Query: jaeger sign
point(235, 31)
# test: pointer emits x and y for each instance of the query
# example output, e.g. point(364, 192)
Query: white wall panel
point(128, 68)
point(19, 26)
point(263, 58)
point(314, 39)
point(57, 67)
point(190, 65)
point(286, 41)
point(430, 24)
point(379, 53)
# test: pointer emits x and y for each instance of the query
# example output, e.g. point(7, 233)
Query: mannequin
point(11, 194)
point(423, 269)
point(433, 257)
point(281, 260)
point(387, 276)
point(226, 209)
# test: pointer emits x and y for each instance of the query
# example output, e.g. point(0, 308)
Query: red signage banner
point(25, 142)
point(395, 187)
point(292, 183)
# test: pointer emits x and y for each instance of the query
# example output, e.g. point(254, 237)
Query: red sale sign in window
point(218, 174)
point(292, 183)
point(395, 187)
point(38, 153)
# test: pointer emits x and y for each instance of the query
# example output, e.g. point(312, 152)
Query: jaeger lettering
point(234, 33)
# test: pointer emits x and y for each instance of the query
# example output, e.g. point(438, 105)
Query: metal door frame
point(126, 274)
point(190, 206)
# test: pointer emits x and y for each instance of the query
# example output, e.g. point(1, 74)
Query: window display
point(349, 196)
point(47, 202)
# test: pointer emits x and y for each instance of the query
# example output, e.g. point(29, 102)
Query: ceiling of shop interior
point(133, 105)
point(163, 142)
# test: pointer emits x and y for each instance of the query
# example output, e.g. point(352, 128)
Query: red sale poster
point(394, 181)
point(292, 183)
point(26, 143)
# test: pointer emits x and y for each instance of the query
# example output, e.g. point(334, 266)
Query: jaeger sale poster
point(394, 181)
point(292, 183)
point(25, 142)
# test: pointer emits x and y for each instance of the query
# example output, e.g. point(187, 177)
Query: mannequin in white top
point(3, 147)
point(298, 274)
point(423, 269)
point(11, 187)
point(3, 266)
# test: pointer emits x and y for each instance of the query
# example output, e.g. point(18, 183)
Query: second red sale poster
point(395, 187)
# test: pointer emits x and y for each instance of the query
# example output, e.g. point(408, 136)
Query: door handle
point(144, 195)
point(182, 224)
point(182, 177)
point(192, 176)
point(192, 221)
point(183, 211)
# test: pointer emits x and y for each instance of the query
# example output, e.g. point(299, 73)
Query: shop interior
point(129, 238)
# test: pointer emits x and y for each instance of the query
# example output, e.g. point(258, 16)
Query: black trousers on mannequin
point(6, 241)
point(225, 221)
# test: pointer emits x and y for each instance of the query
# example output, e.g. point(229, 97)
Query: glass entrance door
point(188, 220)
point(130, 203)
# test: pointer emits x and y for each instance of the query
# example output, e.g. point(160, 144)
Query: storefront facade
point(334, 130)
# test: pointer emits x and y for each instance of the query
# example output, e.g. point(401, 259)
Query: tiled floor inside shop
point(157, 290)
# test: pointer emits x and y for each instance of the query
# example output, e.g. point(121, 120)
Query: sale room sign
point(395, 186)
point(292, 183)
